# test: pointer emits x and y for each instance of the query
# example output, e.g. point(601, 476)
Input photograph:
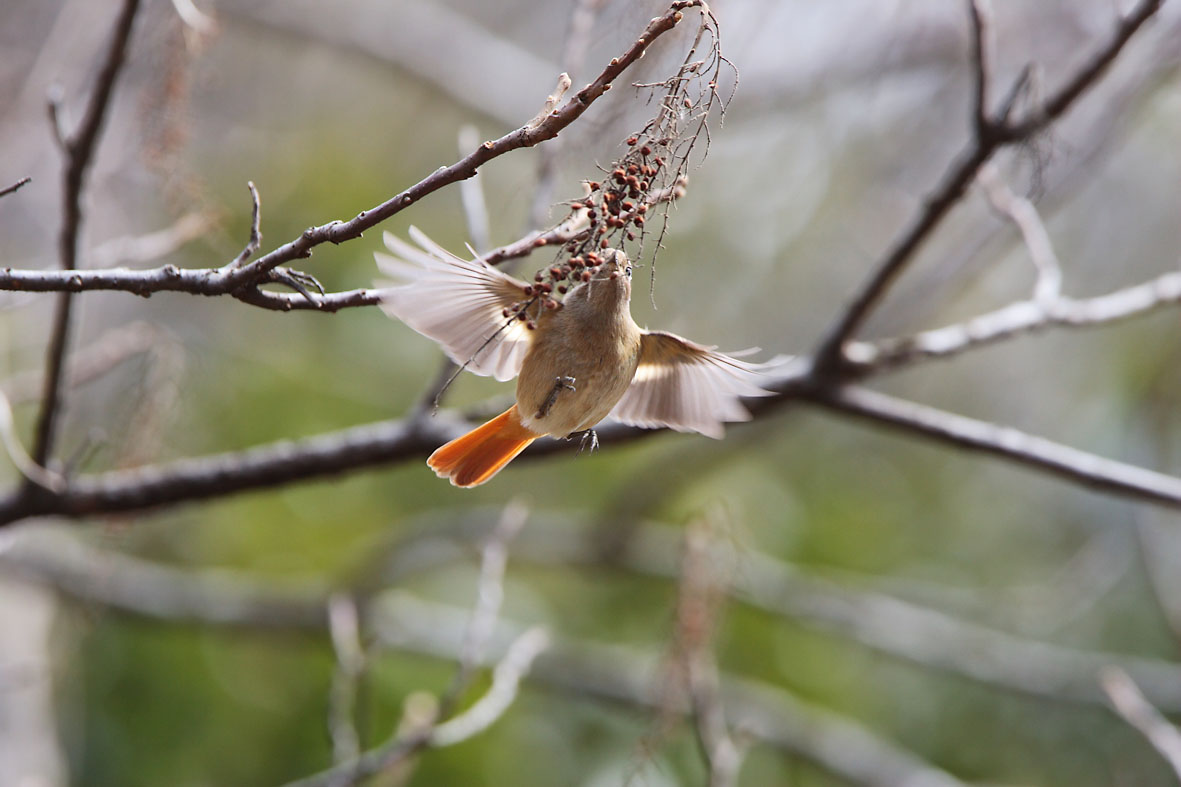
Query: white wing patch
point(689, 387)
point(459, 303)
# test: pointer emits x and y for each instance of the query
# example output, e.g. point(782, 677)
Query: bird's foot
point(560, 384)
point(589, 436)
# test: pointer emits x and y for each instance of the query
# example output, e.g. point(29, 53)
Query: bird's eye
point(628, 271)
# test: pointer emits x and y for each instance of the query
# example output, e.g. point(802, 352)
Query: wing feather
point(459, 303)
point(690, 387)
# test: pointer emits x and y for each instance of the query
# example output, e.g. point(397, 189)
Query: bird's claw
point(562, 383)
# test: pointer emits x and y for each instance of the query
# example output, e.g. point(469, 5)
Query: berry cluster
point(614, 210)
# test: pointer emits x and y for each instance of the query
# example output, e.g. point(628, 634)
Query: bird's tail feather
point(481, 453)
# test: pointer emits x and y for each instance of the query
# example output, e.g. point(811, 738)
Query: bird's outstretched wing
point(690, 388)
point(459, 303)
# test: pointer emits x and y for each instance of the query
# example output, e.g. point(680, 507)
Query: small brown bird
point(577, 362)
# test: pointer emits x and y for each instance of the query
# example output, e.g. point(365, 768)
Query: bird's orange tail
point(481, 453)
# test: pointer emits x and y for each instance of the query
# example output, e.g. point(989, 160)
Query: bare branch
point(506, 677)
point(19, 457)
point(830, 358)
point(344, 628)
point(79, 153)
point(1048, 287)
point(1080, 467)
point(913, 633)
point(1082, 81)
point(4, 192)
point(255, 240)
point(427, 731)
point(489, 595)
point(703, 583)
point(1018, 318)
point(981, 17)
point(1137, 711)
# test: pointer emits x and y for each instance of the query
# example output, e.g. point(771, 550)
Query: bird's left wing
point(689, 387)
point(459, 303)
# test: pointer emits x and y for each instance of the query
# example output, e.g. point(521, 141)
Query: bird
point(577, 360)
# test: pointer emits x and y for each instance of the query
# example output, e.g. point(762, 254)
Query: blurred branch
point(1015, 319)
point(703, 584)
point(139, 249)
point(1047, 287)
point(432, 731)
point(924, 637)
point(345, 632)
point(506, 678)
point(97, 358)
point(78, 149)
point(404, 623)
point(4, 192)
point(1080, 467)
point(1137, 711)
point(992, 133)
point(913, 633)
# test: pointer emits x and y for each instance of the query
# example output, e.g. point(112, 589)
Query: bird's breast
point(599, 355)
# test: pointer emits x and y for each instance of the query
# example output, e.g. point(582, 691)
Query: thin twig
point(506, 679)
point(1130, 703)
point(1048, 286)
point(703, 584)
point(255, 240)
point(4, 192)
point(489, 595)
point(79, 152)
point(20, 459)
point(981, 17)
point(344, 628)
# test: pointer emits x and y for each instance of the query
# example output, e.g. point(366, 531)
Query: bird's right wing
point(459, 303)
point(691, 388)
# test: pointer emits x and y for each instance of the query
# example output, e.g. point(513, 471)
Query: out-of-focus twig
point(139, 249)
point(1130, 703)
point(78, 149)
point(345, 632)
point(1048, 286)
point(435, 729)
point(4, 192)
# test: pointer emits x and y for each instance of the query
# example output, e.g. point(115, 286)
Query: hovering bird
point(576, 361)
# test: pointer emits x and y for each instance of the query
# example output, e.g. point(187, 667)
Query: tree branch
point(1138, 712)
point(1079, 467)
point(990, 137)
point(79, 152)
point(4, 192)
